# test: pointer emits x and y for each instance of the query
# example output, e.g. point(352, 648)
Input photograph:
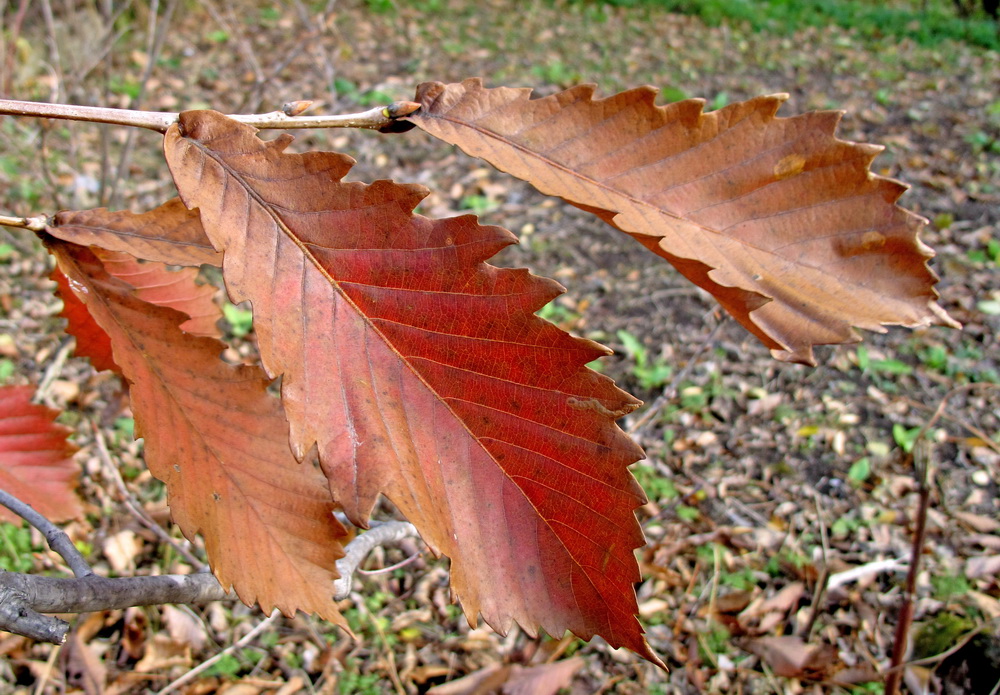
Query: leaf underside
point(152, 282)
point(217, 440)
point(782, 222)
point(36, 464)
point(169, 234)
point(420, 372)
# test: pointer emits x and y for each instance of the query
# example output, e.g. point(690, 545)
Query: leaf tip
point(802, 355)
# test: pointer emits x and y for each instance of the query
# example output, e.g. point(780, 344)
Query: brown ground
point(755, 472)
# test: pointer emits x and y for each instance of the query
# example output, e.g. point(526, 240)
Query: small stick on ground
point(824, 575)
point(133, 505)
point(53, 371)
point(245, 640)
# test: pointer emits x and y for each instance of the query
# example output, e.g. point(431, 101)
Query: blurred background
point(767, 481)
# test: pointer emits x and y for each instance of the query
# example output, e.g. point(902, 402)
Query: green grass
point(651, 373)
point(872, 20)
point(16, 548)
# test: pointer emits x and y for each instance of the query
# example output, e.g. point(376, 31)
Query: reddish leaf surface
point(776, 217)
point(91, 340)
point(174, 289)
point(220, 444)
point(36, 464)
point(169, 234)
point(420, 372)
point(154, 283)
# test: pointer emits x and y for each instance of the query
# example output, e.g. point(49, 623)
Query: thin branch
point(979, 629)
point(905, 619)
point(968, 426)
point(374, 118)
point(13, 34)
point(53, 371)
point(54, 536)
point(35, 224)
point(50, 29)
point(822, 581)
point(389, 656)
point(133, 505)
point(921, 462)
point(157, 33)
point(390, 568)
point(358, 549)
point(25, 597)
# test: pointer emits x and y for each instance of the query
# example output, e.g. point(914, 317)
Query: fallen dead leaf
point(134, 632)
point(239, 689)
point(485, 680)
point(987, 604)
point(84, 668)
point(982, 566)
point(978, 522)
point(184, 628)
point(121, 549)
point(162, 652)
point(545, 679)
point(791, 657)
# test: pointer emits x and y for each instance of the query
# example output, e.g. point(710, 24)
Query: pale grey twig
point(50, 27)
point(358, 549)
point(157, 34)
point(132, 504)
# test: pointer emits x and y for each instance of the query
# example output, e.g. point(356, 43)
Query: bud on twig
point(296, 108)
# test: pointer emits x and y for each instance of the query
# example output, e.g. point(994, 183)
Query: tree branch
point(54, 536)
point(24, 598)
point(374, 118)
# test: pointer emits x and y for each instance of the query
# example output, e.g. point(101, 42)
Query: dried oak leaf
point(36, 464)
point(782, 222)
point(220, 444)
point(91, 340)
point(154, 283)
point(170, 233)
point(420, 372)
